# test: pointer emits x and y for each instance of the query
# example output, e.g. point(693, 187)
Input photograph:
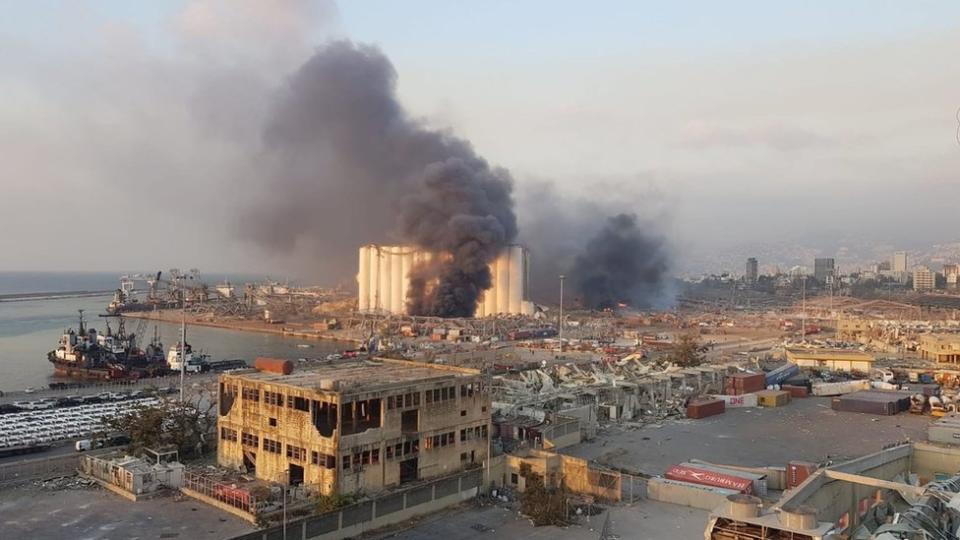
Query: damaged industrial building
point(354, 426)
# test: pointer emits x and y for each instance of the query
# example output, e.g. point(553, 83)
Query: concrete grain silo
point(384, 280)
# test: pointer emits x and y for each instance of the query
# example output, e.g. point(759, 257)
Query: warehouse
point(354, 425)
point(383, 280)
point(835, 359)
point(942, 348)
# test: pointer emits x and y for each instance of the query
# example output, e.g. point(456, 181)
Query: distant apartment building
point(924, 279)
point(951, 273)
point(354, 425)
point(823, 269)
point(750, 276)
point(899, 265)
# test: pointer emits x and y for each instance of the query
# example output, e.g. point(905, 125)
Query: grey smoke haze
point(346, 165)
point(611, 243)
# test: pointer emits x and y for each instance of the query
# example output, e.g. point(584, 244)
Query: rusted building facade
point(354, 425)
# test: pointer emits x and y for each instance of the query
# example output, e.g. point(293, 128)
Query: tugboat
point(87, 354)
point(196, 362)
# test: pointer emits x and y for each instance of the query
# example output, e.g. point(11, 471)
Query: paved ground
point(806, 429)
point(96, 514)
point(648, 520)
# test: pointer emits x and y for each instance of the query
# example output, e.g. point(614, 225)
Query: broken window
point(410, 421)
point(359, 416)
point(228, 394)
point(324, 417)
point(298, 403)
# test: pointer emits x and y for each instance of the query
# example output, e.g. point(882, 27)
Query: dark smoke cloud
point(621, 263)
point(346, 165)
point(463, 208)
point(608, 253)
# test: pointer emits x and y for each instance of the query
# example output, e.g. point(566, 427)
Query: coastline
point(302, 331)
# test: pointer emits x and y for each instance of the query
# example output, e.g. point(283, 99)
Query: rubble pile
point(61, 483)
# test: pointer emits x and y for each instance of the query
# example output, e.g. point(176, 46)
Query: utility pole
point(183, 341)
point(803, 303)
point(560, 322)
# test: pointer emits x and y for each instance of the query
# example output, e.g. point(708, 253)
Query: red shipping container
point(704, 477)
point(745, 383)
point(796, 391)
point(273, 365)
point(798, 471)
point(702, 408)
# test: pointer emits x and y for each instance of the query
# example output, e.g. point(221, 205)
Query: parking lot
point(33, 512)
point(50, 425)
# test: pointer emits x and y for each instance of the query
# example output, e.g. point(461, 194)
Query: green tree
point(688, 352)
point(185, 426)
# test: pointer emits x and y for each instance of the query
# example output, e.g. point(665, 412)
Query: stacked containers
point(744, 383)
point(702, 408)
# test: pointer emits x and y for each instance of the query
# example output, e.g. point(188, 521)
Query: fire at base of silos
point(384, 280)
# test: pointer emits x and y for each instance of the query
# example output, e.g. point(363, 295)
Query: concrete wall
point(380, 512)
point(929, 459)
point(684, 494)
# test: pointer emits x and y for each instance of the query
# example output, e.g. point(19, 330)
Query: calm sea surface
point(29, 329)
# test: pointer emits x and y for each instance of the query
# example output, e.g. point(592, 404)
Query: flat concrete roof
point(828, 354)
point(348, 376)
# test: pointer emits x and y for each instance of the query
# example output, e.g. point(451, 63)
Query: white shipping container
point(839, 388)
point(745, 400)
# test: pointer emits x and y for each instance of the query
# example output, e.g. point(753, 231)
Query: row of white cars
point(43, 427)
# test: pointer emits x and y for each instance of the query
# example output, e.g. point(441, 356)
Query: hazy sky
point(124, 124)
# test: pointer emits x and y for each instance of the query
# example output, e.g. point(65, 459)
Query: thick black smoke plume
point(620, 264)
point(464, 209)
point(348, 166)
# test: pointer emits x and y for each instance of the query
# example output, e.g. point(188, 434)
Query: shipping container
point(796, 391)
point(873, 402)
point(702, 408)
point(744, 383)
point(798, 471)
point(745, 400)
point(839, 388)
point(273, 365)
point(782, 373)
point(759, 480)
point(800, 380)
point(773, 398)
point(705, 477)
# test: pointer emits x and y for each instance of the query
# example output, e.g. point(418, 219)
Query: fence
point(379, 512)
point(227, 494)
point(34, 469)
point(97, 387)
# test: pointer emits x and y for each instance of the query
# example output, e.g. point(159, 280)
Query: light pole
point(560, 322)
point(284, 486)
